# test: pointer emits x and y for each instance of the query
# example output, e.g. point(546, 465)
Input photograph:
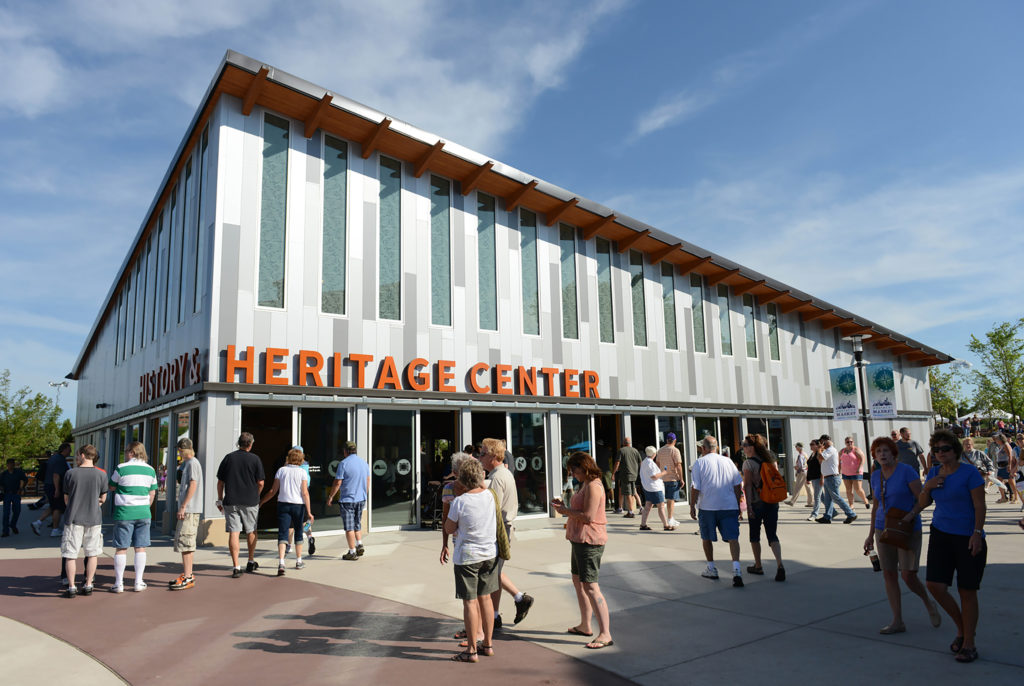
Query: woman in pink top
point(851, 463)
point(586, 532)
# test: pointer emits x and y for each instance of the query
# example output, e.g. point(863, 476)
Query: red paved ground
point(264, 630)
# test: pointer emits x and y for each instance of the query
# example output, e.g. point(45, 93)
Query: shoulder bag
point(897, 532)
point(504, 547)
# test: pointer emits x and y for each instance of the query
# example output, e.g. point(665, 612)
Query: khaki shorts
point(477, 579)
point(77, 537)
point(240, 518)
point(185, 533)
point(899, 559)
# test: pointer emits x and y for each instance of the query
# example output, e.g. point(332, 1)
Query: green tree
point(28, 423)
point(1000, 379)
point(947, 392)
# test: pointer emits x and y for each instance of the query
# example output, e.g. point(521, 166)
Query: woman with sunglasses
point(957, 540)
point(851, 466)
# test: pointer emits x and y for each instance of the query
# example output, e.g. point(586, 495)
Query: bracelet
point(979, 531)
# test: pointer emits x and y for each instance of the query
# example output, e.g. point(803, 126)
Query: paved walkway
point(390, 615)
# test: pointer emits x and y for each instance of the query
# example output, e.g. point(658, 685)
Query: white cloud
point(31, 320)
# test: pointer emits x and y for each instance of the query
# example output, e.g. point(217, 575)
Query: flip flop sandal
point(461, 633)
point(486, 651)
point(644, 527)
point(957, 644)
point(465, 643)
point(967, 655)
point(465, 656)
point(597, 645)
point(576, 632)
point(755, 570)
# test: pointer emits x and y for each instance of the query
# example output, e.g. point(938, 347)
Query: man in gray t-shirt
point(84, 490)
point(190, 508)
point(627, 468)
point(911, 452)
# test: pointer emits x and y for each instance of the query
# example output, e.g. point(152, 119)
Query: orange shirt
point(590, 500)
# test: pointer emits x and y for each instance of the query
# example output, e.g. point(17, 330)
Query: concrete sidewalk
point(667, 621)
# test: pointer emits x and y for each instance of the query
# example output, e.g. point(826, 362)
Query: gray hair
point(710, 444)
point(457, 460)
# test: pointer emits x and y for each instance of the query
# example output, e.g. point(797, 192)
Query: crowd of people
point(480, 504)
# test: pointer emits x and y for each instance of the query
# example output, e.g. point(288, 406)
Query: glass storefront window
point(575, 436)
point(529, 462)
point(322, 435)
point(391, 468)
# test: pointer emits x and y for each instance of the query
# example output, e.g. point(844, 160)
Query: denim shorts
point(132, 533)
point(352, 515)
point(725, 521)
point(853, 477)
point(289, 516)
point(654, 497)
point(671, 490)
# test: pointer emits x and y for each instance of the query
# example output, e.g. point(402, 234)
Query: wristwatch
point(979, 531)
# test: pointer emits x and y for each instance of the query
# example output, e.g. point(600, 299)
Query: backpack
point(773, 486)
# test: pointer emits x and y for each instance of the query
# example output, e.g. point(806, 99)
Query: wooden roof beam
point(369, 145)
point(811, 316)
point(842, 321)
point(552, 217)
point(886, 343)
point(763, 300)
point(256, 86)
point(629, 241)
point(658, 255)
point(786, 309)
point(855, 329)
point(472, 180)
point(428, 157)
point(313, 122)
point(747, 287)
point(719, 278)
point(687, 267)
point(917, 355)
point(512, 201)
point(595, 228)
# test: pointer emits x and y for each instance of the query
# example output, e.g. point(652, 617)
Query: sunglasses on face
point(942, 449)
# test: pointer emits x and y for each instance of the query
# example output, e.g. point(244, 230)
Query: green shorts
point(477, 579)
point(585, 561)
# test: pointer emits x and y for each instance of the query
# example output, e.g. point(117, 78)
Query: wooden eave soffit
point(687, 267)
point(746, 287)
point(428, 157)
point(472, 180)
point(836, 324)
point(763, 300)
point(628, 242)
point(885, 344)
point(256, 86)
point(659, 255)
point(552, 217)
point(369, 145)
point(513, 201)
point(315, 117)
point(719, 278)
point(595, 228)
point(811, 316)
point(799, 304)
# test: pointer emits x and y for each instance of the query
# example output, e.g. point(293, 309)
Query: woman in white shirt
point(291, 485)
point(800, 469)
point(651, 476)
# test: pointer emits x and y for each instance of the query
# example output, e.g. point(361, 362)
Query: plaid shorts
point(352, 515)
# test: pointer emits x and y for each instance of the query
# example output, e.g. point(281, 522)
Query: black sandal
point(754, 569)
point(967, 655)
point(461, 633)
point(465, 656)
point(486, 651)
point(957, 644)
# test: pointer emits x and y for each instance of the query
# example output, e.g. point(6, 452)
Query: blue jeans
point(831, 497)
point(816, 484)
point(12, 509)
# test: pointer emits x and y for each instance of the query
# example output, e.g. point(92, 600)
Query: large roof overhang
point(257, 84)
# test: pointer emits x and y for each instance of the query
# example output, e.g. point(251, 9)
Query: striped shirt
point(132, 482)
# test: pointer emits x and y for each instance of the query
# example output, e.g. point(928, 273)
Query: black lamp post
point(858, 362)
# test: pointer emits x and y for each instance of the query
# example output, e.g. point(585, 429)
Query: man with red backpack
point(765, 489)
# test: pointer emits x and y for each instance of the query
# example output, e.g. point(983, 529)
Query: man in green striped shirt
point(134, 485)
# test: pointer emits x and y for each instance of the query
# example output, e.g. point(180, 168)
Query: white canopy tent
point(994, 414)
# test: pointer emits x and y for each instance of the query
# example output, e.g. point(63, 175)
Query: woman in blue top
point(957, 540)
point(899, 486)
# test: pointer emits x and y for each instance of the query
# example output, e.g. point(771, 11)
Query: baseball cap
point(670, 436)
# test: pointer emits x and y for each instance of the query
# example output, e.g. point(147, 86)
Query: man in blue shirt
point(351, 485)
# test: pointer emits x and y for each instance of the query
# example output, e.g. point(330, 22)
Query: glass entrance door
point(644, 431)
point(271, 428)
point(392, 467)
point(488, 425)
point(529, 462)
point(322, 434)
point(439, 432)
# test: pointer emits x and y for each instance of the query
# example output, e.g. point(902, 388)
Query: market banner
point(881, 390)
point(844, 392)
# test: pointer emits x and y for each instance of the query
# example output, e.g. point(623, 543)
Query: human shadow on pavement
point(358, 634)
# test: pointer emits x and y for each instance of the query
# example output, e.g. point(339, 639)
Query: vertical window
point(668, 295)
point(604, 290)
point(440, 251)
point(725, 319)
point(487, 282)
point(129, 316)
point(390, 238)
point(697, 296)
point(567, 242)
point(117, 329)
point(152, 251)
point(168, 264)
point(636, 280)
point(158, 274)
point(273, 210)
point(332, 276)
point(773, 331)
point(141, 274)
point(186, 196)
point(528, 255)
point(199, 266)
point(749, 314)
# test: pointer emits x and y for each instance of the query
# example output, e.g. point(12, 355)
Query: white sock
point(298, 558)
point(712, 567)
point(280, 561)
point(736, 568)
point(496, 615)
point(352, 550)
point(120, 562)
point(518, 596)
point(359, 543)
point(140, 567)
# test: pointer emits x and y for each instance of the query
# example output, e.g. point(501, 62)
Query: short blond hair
point(471, 474)
point(295, 457)
point(494, 447)
point(187, 452)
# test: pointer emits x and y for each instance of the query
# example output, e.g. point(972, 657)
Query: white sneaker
point(36, 527)
point(117, 589)
point(709, 573)
point(56, 533)
point(673, 522)
point(140, 587)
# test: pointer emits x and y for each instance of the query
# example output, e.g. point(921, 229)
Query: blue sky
point(869, 153)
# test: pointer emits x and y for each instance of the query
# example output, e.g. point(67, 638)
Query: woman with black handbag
point(897, 486)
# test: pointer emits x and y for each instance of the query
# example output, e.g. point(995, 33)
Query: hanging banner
point(844, 392)
point(881, 390)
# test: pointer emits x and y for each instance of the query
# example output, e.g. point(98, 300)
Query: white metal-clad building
point(313, 271)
